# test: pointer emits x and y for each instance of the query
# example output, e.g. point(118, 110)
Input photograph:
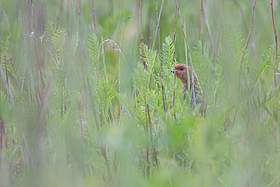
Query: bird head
point(180, 71)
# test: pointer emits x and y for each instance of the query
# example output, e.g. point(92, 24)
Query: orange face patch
point(180, 71)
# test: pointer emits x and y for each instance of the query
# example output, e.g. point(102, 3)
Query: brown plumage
point(190, 84)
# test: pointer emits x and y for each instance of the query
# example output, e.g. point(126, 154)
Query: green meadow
point(87, 96)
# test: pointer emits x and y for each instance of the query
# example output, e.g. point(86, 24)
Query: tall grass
point(87, 95)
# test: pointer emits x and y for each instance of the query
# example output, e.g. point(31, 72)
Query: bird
point(191, 84)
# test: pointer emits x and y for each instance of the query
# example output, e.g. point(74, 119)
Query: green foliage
point(57, 37)
point(93, 48)
point(79, 107)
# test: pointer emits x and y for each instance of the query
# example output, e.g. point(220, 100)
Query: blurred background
point(87, 97)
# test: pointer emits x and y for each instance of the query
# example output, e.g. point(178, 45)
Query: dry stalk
point(2, 134)
point(78, 7)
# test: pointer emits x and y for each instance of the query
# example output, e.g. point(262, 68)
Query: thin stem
point(276, 76)
point(205, 21)
point(249, 37)
point(139, 14)
point(2, 134)
point(158, 24)
point(93, 15)
point(162, 91)
point(236, 2)
point(78, 7)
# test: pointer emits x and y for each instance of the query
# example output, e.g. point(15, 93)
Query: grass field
point(87, 97)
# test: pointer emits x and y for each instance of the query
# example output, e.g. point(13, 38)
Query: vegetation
point(87, 95)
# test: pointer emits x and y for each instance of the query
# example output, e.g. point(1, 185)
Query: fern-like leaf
point(93, 48)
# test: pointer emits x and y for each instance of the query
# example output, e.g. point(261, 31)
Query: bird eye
point(181, 69)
